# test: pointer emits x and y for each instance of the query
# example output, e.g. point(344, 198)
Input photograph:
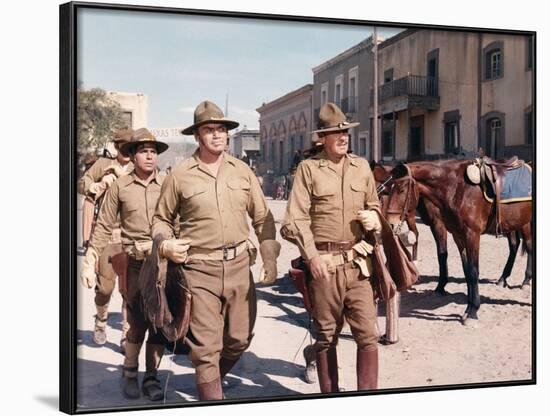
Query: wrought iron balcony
point(412, 91)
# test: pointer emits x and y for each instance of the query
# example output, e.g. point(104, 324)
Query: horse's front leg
point(411, 222)
point(439, 232)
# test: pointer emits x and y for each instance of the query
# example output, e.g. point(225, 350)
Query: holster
point(299, 273)
point(120, 266)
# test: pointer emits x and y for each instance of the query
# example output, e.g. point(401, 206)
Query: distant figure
point(297, 159)
point(289, 182)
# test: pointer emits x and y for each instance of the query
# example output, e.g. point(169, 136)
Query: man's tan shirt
point(213, 211)
point(323, 205)
point(97, 172)
point(135, 201)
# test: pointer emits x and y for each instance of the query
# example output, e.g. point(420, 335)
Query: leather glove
point(363, 248)
point(269, 249)
point(370, 220)
point(142, 249)
point(109, 179)
point(97, 188)
point(88, 274)
point(175, 249)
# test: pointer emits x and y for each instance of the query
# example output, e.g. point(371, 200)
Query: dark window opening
point(451, 138)
point(493, 61)
point(388, 75)
point(127, 119)
point(387, 144)
point(494, 126)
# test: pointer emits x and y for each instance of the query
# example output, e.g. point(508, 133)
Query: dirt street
point(434, 349)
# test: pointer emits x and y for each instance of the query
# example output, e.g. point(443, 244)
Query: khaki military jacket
point(323, 204)
point(97, 171)
point(134, 201)
point(214, 211)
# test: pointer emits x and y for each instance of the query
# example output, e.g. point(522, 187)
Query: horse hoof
point(469, 322)
point(501, 283)
point(384, 340)
point(525, 286)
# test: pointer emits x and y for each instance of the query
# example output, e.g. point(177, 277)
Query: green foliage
point(98, 117)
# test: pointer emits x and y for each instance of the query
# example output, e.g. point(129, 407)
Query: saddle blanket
point(516, 187)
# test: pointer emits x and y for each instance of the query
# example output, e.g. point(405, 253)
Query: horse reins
point(380, 188)
point(411, 187)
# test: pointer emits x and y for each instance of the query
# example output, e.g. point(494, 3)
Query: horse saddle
point(493, 175)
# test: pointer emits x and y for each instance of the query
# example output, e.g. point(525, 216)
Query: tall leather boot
point(327, 370)
point(100, 336)
point(129, 383)
point(367, 370)
point(226, 364)
point(125, 328)
point(151, 386)
point(211, 390)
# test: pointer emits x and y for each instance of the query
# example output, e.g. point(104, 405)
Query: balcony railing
point(411, 85)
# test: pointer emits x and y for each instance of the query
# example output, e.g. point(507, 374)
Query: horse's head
point(403, 195)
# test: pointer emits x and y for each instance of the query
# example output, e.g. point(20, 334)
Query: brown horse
point(464, 212)
point(383, 178)
point(431, 216)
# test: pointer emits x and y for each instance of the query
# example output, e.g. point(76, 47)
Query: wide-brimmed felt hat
point(208, 112)
point(142, 136)
point(331, 118)
point(123, 135)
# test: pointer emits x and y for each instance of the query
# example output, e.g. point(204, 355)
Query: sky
point(179, 60)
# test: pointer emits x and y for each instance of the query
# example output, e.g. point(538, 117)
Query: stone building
point(245, 144)
point(347, 80)
point(442, 93)
point(285, 124)
point(135, 107)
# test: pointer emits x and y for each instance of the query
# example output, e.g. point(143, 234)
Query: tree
point(98, 116)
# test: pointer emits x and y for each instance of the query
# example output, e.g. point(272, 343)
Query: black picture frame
point(68, 31)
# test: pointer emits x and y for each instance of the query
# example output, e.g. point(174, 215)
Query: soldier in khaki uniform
point(133, 199)
point(214, 194)
point(93, 185)
point(325, 218)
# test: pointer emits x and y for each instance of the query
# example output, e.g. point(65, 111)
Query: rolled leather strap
point(334, 246)
point(224, 253)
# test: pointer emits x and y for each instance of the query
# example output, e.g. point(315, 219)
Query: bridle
point(380, 188)
point(411, 190)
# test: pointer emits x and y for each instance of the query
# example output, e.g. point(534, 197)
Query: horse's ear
point(400, 171)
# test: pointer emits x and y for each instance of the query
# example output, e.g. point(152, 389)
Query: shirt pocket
point(129, 214)
point(194, 198)
point(323, 197)
point(129, 207)
point(239, 193)
point(358, 193)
